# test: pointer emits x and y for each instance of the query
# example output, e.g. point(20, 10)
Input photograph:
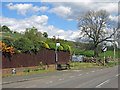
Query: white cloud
point(24, 8)
point(39, 23)
point(80, 1)
point(20, 25)
point(71, 10)
point(61, 11)
point(114, 18)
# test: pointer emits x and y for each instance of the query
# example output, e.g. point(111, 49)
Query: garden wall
point(26, 60)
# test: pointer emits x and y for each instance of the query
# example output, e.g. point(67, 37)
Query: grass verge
point(78, 65)
point(29, 73)
point(73, 65)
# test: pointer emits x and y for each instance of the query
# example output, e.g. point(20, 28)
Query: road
point(84, 78)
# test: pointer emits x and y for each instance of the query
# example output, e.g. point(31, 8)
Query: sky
point(55, 18)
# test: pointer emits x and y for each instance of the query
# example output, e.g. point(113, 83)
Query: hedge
point(23, 44)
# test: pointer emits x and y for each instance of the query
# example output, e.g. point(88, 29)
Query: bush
point(43, 68)
point(65, 47)
point(7, 41)
point(18, 51)
point(35, 69)
point(69, 49)
point(52, 45)
point(36, 46)
point(61, 47)
point(41, 64)
point(23, 44)
point(45, 44)
point(27, 70)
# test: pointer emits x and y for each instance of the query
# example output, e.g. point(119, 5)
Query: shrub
point(18, 51)
point(8, 41)
point(35, 69)
point(36, 46)
point(43, 68)
point(7, 50)
point(52, 45)
point(27, 70)
point(23, 44)
point(61, 47)
point(65, 47)
point(46, 45)
point(69, 49)
point(41, 64)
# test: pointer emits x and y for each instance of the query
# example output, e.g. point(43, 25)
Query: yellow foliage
point(46, 45)
point(61, 47)
point(69, 49)
point(7, 49)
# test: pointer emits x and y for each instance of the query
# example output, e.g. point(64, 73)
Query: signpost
point(104, 49)
point(57, 45)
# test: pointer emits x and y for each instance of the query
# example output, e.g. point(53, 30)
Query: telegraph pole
point(114, 43)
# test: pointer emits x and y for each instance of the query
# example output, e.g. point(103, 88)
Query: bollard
point(13, 71)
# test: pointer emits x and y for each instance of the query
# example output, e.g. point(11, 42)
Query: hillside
point(77, 48)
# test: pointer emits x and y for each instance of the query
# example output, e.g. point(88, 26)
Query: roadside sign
point(104, 49)
point(57, 44)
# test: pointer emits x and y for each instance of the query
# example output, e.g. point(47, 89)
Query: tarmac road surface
point(84, 78)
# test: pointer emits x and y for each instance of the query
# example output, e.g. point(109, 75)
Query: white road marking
point(102, 83)
point(87, 73)
point(117, 75)
point(72, 76)
point(92, 71)
point(79, 74)
point(61, 79)
point(49, 82)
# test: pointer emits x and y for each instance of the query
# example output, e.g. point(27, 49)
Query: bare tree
point(94, 25)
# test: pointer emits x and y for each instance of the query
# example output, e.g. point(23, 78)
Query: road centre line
point(72, 76)
point(79, 74)
point(102, 83)
point(61, 79)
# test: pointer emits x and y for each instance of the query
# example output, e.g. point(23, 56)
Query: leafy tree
point(0, 28)
point(5, 29)
point(93, 25)
point(33, 34)
point(45, 34)
point(24, 44)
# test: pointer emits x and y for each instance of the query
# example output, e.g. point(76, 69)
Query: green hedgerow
point(41, 64)
point(27, 70)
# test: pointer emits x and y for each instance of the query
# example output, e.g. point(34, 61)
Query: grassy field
point(90, 53)
point(11, 35)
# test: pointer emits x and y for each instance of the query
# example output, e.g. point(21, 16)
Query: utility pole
point(104, 58)
point(114, 42)
point(56, 57)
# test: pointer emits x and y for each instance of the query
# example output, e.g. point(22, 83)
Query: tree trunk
point(95, 51)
